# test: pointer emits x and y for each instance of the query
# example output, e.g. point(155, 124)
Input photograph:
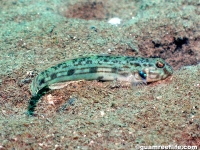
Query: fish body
point(104, 68)
point(136, 70)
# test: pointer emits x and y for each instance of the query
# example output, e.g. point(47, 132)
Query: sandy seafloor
point(37, 34)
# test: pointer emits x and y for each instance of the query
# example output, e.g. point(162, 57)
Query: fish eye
point(160, 64)
point(142, 74)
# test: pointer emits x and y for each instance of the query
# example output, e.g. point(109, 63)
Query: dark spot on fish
point(125, 74)
point(54, 67)
point(144, 65)
point(100, 78)
point(93, 70)
point(65, 66)
point(114, 70)
point(126, 66)
point(53, 76)
point(135, 64)
point(83, 59)
point(131, 58)
point(89, 61)
point(41, 81)
point(100, 56)
point(114, 61)
point(151, 65)
point(80, 62)
point(105, 60)
point(70, 72)
point(59, 65)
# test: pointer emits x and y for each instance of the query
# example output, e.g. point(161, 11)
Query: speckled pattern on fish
point(136, 70)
